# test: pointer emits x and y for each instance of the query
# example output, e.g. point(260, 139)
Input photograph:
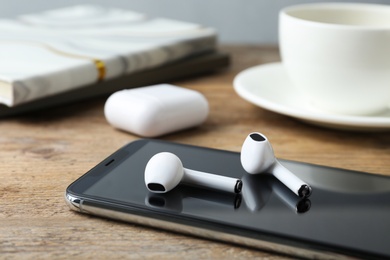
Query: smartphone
point(348, 213)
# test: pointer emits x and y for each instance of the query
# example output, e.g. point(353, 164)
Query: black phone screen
point(348, 212)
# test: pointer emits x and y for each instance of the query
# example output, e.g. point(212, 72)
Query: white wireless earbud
point(164, 171)
point(257, 156)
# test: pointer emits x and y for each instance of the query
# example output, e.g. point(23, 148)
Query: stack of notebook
point(79, 52)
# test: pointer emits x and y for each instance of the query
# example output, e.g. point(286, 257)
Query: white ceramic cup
point(338, 55)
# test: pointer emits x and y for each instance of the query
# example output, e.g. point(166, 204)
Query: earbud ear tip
point(256, 154)
point(163, 172)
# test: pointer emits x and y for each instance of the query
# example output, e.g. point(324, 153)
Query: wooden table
point(42, 154)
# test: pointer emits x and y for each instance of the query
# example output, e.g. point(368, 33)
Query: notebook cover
point(59, 50)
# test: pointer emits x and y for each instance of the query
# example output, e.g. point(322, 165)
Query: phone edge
point(76, 204)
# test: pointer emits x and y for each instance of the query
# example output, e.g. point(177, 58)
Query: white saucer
point(268, 86)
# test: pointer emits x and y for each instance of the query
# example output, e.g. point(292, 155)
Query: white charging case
point(156, 110)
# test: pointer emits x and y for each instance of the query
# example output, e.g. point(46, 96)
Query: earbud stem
point(295, 184)
point(212, 181)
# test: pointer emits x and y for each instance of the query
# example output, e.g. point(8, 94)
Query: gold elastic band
point(101, 68)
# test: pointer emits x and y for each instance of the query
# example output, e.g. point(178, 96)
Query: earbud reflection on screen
point(165, 171)
point(257, 156)
point(259, 188)
point(175, 199)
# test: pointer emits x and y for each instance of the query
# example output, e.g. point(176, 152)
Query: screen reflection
point(257, 190)
point(174, 199)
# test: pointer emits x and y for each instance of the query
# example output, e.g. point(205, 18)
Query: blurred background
point(237, 21)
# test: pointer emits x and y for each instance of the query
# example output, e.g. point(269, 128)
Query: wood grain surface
point(42, 153)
